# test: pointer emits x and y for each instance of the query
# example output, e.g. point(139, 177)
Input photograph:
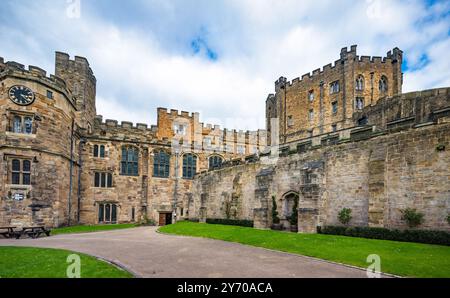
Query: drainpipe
point(71, 172)
point(80, 163)
point(175, 192)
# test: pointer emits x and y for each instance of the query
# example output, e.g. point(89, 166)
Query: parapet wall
point(12, 68)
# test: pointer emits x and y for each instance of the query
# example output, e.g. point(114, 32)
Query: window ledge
point(18, 186)
point(25, 135)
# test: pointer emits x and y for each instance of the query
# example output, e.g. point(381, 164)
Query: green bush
point(448, 219)
point(230, 222)
point(412, 217)
point(293, 219)
point(420, 236)
point(193, 219)
point(345, 215)
point(275, 218)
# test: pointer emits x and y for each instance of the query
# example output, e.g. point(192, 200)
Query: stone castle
point(342, 137)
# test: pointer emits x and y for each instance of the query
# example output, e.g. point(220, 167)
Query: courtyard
point(146, 253)
point(184, 250)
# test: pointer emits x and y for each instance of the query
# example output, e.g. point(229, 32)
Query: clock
point(21, 95)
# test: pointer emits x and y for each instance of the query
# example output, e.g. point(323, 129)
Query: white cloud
point(141, 67)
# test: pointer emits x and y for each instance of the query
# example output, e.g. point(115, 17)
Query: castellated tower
point(325, 100)
point(81, 81)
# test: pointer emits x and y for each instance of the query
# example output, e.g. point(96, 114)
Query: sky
point(220, 58)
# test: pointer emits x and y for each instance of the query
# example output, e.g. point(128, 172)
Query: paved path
point(151, 254)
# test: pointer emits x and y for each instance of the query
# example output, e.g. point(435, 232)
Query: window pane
point(124, 154)
point(102, 151)
point(95, 150)
point(103, 180)
point(114, 213)
point(26, 166)
point(17, 125)
point(109, 180)
point(123, 168)
point(101, 212)
point(135, 169)
point(97, 180)
point(107, 212)
point(28, 125)
point(15, 178)
point(129, 168)
point(26, 179)
point(16, 165)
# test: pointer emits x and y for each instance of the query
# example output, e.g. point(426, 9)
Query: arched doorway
point(289, 204)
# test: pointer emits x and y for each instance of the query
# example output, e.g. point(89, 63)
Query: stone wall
point(375, 170)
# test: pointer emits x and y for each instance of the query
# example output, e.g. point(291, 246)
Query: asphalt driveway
point(147, 253)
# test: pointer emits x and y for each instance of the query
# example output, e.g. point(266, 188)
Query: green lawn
point(93, 228)
point(400, 258)
point(28, 262)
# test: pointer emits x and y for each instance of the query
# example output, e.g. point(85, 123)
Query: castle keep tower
point(81, 81)
point(324, 101)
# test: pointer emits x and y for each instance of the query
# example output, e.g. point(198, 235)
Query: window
point(161, 164)
point(383, 84)
point(49, 94)
point(334, 128)
point(362, 121)
point(334, 87)
point(107, 213)
point(99, 151)
point(189, 165)
point(311, 95)
point(22, 124)
point(359, 84)
point(215, 162)
point(334, 107)
point(207, 141)
point(290, 121)
point(103, 180)
point(180, 129)
point(129, 163)
point(133, 214)
point(20, 172)
point(240, 149)
point(311, 115)
point(359, 103)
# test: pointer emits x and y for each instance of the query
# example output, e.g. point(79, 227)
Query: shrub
point(420, 236)
point(412, 217)
point(275, 218)
point(193, 219)
point(345, 215)
point(230, 222)
point(448, 219)
point(293, 219)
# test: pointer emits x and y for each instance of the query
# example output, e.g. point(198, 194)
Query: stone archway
point(288, 201)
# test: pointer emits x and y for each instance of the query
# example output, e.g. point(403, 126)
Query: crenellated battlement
point(13, 68)
point(123, 124)
point(346, 54)
point(81, 62)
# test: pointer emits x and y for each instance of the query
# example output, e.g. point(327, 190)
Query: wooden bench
point(33, 232)
point(9, 233)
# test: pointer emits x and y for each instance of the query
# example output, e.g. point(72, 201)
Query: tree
point(275, 218)
point(345, 215)
point(293, 219)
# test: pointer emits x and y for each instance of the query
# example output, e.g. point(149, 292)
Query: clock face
point(21, 95)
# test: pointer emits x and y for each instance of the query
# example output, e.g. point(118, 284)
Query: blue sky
point(220, 58)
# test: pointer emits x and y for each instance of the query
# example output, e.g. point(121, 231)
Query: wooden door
point(162, 219)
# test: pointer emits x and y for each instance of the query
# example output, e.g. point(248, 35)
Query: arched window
point(189, 165)
point(383, 84)
point(215, 162)
point(359, 84)
point(130, 160)
point(161, 164)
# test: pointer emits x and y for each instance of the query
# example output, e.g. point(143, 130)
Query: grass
point(399, 258)
point(93, 228)
point(28, 262)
